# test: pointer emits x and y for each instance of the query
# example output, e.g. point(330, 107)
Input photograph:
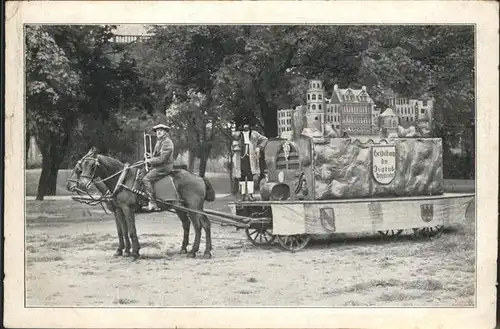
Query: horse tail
point(210, 193)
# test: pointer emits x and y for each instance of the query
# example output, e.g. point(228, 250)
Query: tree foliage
point(249, 72)
point(76, 83)
point(83, 89)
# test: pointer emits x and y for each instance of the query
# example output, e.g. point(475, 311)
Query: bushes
point(458, 166)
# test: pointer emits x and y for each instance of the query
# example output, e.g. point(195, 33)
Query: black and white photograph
point(251, 165)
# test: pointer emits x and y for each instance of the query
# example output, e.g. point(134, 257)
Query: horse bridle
point(91, 199)
point(91, 178)
point(79, 167)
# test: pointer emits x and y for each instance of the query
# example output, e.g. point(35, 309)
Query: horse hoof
point(134, 256)
point(118, 253)
point(126, 254)
point(183, 251)
point(207, 255)
point(191, 255)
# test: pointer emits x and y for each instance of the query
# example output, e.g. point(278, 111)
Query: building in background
point(354, 109)
point(375, 120)
point(410, 110)
point(316, 103)
point(347, 110)
point(284, 121)
point(404, 108)
point(389, 123)
point(424, 108)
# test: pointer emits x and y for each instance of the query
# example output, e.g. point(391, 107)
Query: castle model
point(352, 112)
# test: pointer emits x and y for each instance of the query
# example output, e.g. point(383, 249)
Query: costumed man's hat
point(246, 123)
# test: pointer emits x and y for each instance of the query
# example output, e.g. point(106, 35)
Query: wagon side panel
point(328, 218)
point(289, 219)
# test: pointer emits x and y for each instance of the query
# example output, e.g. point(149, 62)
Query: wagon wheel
point(390, 233)
point(260, 237)
point(428, 232)
point(294, 242)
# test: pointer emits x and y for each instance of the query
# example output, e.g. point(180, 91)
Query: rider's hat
point(161, 126)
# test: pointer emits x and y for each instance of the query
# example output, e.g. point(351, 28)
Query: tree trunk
point(44, 176)
point(47, 184)
point(203, 165)
point(191, 159)
point(204, 155)
point(269, 116)
point(52, 176)
point(52, 155)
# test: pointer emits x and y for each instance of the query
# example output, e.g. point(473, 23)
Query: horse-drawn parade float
point(316, 182)
point(319, 185)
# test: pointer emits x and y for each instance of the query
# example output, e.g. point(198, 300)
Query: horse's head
point(89, 165)
point(74, 179)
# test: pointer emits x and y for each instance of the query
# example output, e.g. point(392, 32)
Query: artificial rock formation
point(343, 169)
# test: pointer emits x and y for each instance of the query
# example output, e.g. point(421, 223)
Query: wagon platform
point(293, 222)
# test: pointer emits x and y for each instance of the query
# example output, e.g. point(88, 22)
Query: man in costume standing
point(251, 142)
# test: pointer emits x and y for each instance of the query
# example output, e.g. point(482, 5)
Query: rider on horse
point(161, 162)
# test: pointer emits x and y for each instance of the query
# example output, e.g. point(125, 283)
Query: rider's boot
point(153, 206)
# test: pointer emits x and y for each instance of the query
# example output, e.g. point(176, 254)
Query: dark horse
point(192, 189)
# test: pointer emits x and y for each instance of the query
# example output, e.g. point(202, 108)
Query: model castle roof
point(350, 95)
point(388, 112)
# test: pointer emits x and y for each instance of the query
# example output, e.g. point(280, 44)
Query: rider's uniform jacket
point(163, 154)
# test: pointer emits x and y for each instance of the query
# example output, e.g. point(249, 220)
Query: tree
point(252, 71)
point(52, 94)
point(179, 65)
point(76, 83)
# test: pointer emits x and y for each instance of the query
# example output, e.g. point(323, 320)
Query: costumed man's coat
point(249, 141)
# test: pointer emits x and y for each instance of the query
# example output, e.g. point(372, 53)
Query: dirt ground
point(69, 262)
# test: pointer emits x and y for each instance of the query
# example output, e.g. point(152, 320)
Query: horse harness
point(106, 197)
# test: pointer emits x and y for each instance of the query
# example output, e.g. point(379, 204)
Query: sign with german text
point(384, 163)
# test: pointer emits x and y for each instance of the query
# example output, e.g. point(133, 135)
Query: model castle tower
point(316, 98)
point(389, 123)
point(316, 105)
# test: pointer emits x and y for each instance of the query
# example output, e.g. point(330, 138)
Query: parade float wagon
point(324, 186)
point(321, 185)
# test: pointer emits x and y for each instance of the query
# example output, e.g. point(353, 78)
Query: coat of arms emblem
point(286, 149)
point(384, 163)
point(427, 212)
point(327, 217)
